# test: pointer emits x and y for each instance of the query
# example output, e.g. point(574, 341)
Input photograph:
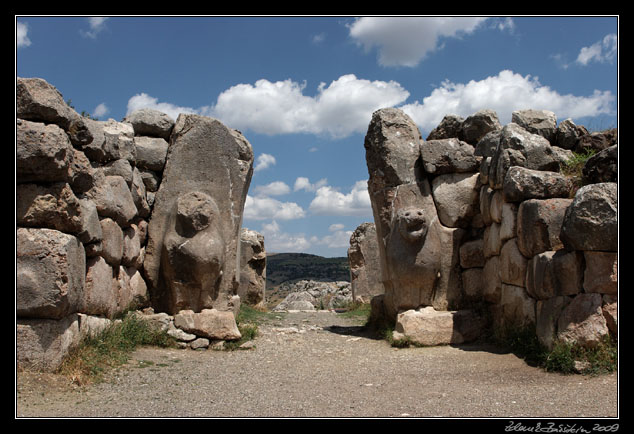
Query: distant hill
point(285, 267)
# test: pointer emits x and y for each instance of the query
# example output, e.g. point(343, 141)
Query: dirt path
point(321, 365)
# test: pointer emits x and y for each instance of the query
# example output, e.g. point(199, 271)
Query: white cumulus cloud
point(101, 110)
point(335, 240)
point(405, 41)
point(276, 188)
point(329, 201)
point(338, 109)
point(345, 106)
point(267, 208)
point(504, 93)
point(601, 51)
point(143, 100)
point(21, 35)
point(279, 241)
point(303, 183)
point(264, 161)
point(97, 24)
point(336, 227)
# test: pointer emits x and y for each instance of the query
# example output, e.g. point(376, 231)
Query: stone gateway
point(475, 227)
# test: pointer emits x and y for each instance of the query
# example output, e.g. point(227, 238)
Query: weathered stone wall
point(365, 264)
point(530, 247)
point(86, 196)
point(252, 268)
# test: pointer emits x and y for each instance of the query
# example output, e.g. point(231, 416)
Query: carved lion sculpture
point(193, 254)
point(413, 258)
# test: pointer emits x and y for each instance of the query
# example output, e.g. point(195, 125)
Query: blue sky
point(302, 89)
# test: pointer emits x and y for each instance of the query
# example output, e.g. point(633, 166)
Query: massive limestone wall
point(479, 214)
point(111, 215)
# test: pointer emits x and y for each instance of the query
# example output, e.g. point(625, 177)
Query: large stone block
point(491, 281)
point(519, 147)
point(486, 197)
point(55, 206)
point(203, 208)
point(139, 194)
point(209, 323)
point(508, 223)
point(113, 199)
point(41, 344)
point(541, 122)
point(591, 222)
point(131, 290)
point(471, 254)
point(601, 273)
point(150, 122)
point(131, 252)
point(582, 321)
point(547, 317)
point(456, 197)
point(112, 242)
point(448, 156)
point(43, 152)
point(611, 313)
point(492, 244)
point(512, 264)
point(602, 167)
point(100, 293)
point(568, 134)
point(518, 308)
point(521, 184)
point(112, 140)
point(429, 327)
point(151, 152)
point(477, 125)
point(447, 128)
point(539, 223)
point(37, 100)
point(472, 283)
point(392, 149)
point(554, 273)
point(51, 269)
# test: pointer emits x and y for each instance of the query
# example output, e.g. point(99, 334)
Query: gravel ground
point(321, 365)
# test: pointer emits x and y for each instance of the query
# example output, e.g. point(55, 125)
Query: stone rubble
point(312, 295)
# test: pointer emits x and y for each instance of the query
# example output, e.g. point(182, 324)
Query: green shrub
point(99, 352)
point(355, 310)
point(247, 321)
point(573, 168)
point(569, 358)
point(564, 357)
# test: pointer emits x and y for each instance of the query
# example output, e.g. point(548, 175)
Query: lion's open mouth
point(413, 224)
